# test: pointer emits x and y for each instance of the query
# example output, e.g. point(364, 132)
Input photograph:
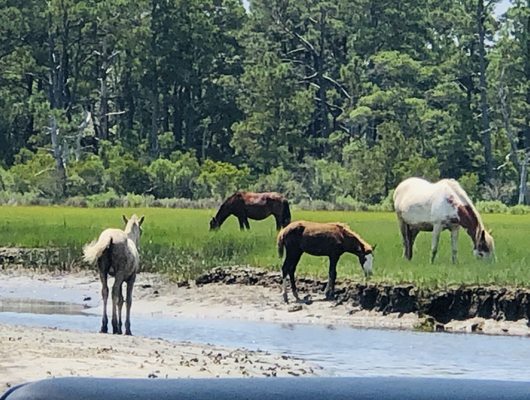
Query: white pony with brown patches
point(424, 206)
point(116, 253)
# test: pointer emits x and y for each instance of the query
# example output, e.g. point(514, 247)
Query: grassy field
point(178, 242)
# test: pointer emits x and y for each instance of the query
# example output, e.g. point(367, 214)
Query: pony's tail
point(281, 242)
point(94, 250)
point(286, 213)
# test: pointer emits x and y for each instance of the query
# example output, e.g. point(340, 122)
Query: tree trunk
point(58, 155)
point(485, 133)
point(153, 135)
point(523, 180)
point(103, 92)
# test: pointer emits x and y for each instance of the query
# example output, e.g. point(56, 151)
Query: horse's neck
point(134, 236)
point(222, 213)
point(470, 221)
point(354, 245)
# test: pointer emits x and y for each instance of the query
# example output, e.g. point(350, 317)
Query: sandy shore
point(155, 296)
point(34, 353)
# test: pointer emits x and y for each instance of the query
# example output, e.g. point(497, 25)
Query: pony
point(424, 206)
point(258, 206)
point(116, 254)
point(320, 239)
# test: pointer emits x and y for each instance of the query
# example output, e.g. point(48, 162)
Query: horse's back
point(316, 238)
point(123, 249)
point(419, 202)
point(260, 198)
point(413, 196)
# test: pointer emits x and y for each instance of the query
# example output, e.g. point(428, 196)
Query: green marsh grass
point(177, 242)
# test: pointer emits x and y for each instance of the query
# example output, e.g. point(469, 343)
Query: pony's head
point(484, 245)
point(366, 258)
point(214, 224)
point(133, 227)
point(360, 248)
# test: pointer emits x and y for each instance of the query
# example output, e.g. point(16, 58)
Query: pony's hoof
point(104, 329)
point(330, 296)
point(128, 333)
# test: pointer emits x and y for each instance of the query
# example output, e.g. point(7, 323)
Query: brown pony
point(258, 206)
point(320, 239)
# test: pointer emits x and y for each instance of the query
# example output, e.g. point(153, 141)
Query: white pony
point(424, 206)
point(116, 253)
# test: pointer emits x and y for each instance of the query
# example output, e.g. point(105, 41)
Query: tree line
point(317, 99)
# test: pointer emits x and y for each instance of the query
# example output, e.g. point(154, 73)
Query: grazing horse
point(320, 239)
point(258, 206)
point(424, 206)
point(116, 253)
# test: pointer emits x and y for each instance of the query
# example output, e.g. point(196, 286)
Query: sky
point(499, 10)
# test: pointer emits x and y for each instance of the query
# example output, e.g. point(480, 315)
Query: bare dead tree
point(519, 158)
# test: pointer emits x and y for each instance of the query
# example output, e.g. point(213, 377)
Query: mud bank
point(465, 303)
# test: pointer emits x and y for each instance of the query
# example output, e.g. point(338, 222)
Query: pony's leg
point(116, 289)
point(403, 227)
point(288, 268)
point(278, 221)
point(105, 296)
point(412, 234)
point(436, 231)
point(130, 284)
point(332, 276)
point(285, 273)
point(241, 223)
point(294, 262)
point(454, 244)
point(247, 225)
point(120, 307)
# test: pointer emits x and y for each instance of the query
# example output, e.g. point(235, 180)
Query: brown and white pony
point(258, 206)
point(320, 239)
point(116, 253)
point(424, 206)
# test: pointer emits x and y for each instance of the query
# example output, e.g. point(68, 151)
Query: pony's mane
point(348, 231)
point(461, 193)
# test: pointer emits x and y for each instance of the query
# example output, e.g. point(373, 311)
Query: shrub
point(491, 207)
point(137, 200)
point(282, 181)
point(76, 201)
point(107, 199)
point(175, 177)
point(35, 172)
point(91, 175)
point(219, 179)
point(6, 180)
point(519, 209)
point(21, 199)
point(128, 176)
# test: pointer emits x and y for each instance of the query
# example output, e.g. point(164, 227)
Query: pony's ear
point(141, 221)
point(490, 231)
point(373, 247)
point(125, 219)
point(483, 235)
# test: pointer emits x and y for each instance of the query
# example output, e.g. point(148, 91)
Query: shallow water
point(340, 351)
point(32, 306)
